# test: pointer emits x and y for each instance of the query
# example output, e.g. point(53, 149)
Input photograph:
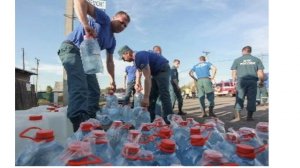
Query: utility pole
point(23, 55)
point(69, 17)
point(206, 53)
point(37, 73)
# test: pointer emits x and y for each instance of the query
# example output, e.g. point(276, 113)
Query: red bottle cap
point(167, 145)
point(35, 117)
point(197, 140)
point(195, 131)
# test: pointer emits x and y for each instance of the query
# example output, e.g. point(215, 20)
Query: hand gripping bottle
point(42, 149)
point(90, 55)
point(166, 155)
point(246, 155)
point(192, 155)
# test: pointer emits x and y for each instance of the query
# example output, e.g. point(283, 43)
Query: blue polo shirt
point(202, 69)
point(102, 26)
point(155, 61)
point(130, 71)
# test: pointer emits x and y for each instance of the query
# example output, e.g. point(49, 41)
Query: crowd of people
point(160, 80)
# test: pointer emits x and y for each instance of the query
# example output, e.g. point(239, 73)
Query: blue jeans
point(129, 90)
point(246, 88)
point(83, 89)
point(160, 87)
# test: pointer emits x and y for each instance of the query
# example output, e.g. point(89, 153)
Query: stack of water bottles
point(131, 140)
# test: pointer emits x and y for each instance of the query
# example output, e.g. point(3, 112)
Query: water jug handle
point(85, 161)
point(22, 134)
point(261, 148)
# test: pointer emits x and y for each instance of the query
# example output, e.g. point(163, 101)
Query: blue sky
point(184, 28)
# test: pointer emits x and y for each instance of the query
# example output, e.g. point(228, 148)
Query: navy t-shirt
point(130, 71)
point(102, 26)
point(155, 61)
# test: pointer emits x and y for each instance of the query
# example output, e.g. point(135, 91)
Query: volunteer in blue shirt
point(247, 70)
point(83, 89)
point(204, 84)
point(156, 67)
point(129, 82)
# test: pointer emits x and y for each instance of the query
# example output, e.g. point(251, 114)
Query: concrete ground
point(224, 109)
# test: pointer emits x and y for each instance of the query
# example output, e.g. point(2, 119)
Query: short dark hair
point(176, 60)
point(123, 13)
point(247, 48)
point(202, 58)
point(157, 46)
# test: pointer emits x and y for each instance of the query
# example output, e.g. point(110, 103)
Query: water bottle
point(90, 55)
point(262, 131)
point(77, 153)
point(83, 131)
point(133, 136)
point(228, 146)
point(115, 113)
point(174, 120)
point(129, 155)
point(146, 158)
point(143, 116)
point(215, 135)
point(181, 137)
point(100, 146)
point(192, 155)
point(191, 122)
point(104, 119)
point(138, 97)
point(111, 100)
point(214, 158)
point(127, 114)
point(116, 135)
point(147, 138)
point(219, 124)
point(42, 149)
point(195, 130)
point(25, 121)
point(245, 156)
point(249, 137)
point(163, 133)
point(166, 155)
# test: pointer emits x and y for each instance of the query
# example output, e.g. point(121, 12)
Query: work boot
point(249, 116)
point(237, 117)
point(211, 112)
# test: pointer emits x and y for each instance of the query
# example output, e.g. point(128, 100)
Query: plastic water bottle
point(219, 124)
point(147, 138)
point(181, 137)
point(138, 97)
point(192, 155)
point(127, 114)
point(245, 156)
point(174, 120)
point(104, 119)
point(249, 137)
point(191, 122)
point(116, 135)
point(115, 113)
point(262, 131)
point(100, 146)
point(146, 158)
point(228, 146)
point(90, 55)
point(24, 121)
point(195, 131)
point(215, 135)
point(166, 155)
point(111, 100)
point(214, 158)
point(129, 155)
point(143, 116)
point(77, 153)
point(42, 149)
point(163, 133)
point(83, 131)
point(133, 136)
